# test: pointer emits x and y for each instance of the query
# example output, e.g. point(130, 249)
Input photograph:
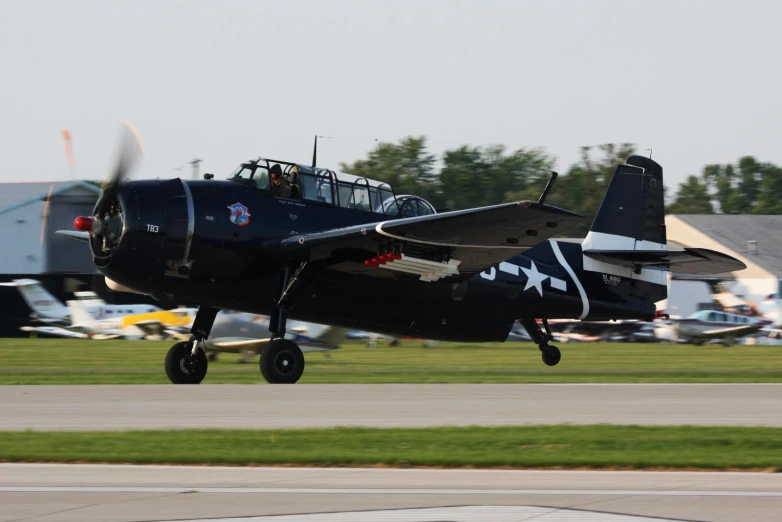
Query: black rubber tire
point(184, 368)
point(550, 354)
point(282, 362)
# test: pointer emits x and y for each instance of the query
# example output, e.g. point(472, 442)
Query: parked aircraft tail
point(44, 305)
point(79, 314)
point(327, 337)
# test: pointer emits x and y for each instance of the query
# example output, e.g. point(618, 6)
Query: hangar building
point(30, 249)
point(27, 226)
point(755, 240)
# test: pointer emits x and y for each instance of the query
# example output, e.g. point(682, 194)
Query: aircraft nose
point(147, 234)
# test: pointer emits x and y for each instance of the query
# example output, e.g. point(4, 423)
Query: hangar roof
point(737, 232)
point(15, 195)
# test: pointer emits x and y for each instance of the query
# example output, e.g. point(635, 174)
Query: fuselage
point(228, 233)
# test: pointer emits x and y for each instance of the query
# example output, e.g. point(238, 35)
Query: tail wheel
point(550, 354)
point(282, 362)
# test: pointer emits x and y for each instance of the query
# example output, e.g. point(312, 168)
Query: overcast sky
point(227, 80)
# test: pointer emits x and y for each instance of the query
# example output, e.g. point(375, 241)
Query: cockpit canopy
point(332, 188)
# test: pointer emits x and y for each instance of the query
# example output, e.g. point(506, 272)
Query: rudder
point(632, 213)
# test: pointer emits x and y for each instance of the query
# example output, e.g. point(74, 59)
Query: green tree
point(692, 198)
point(723, 180)
point(407, 167)
point(582, 188)
point(473, 176)
point(749, 182)
point(769, 190)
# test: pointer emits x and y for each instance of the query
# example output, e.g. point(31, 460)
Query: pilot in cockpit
point(280, 187)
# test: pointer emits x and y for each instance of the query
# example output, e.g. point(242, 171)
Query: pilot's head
point(276, 173)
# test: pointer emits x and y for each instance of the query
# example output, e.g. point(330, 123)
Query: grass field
point(591, 446)
point(69, 361)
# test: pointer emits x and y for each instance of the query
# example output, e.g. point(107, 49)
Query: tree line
point(471, 176)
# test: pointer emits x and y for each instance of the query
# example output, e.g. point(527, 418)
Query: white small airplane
point(54, 331)
point(239, 332)
point(710, 325)
point(48, 309)
point(150, 325)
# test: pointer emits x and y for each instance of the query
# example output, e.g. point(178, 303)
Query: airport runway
point(87, 493)
point(107, 407)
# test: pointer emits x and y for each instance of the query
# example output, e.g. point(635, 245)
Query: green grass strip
point(73, 361)
point(559, 446)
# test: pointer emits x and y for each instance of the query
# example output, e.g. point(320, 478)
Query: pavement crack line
point(57, 512)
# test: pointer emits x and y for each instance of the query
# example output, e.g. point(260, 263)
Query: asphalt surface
point(106, 407)
point(88, 493)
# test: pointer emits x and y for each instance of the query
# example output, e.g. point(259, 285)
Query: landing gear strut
point(549, 353)
point(186, 362)
point(282, 361)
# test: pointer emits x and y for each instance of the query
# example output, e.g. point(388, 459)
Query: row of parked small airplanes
point(90, 317)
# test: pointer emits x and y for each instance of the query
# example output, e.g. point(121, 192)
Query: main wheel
point(550, 354)
point(282, 362)
point(184, 368)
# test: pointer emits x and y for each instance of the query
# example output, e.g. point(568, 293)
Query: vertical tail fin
point(632, 214)
point(43, 304)
point(79, 314)
point(332, 335)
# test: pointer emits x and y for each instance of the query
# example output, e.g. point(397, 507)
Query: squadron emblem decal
point(240, 215)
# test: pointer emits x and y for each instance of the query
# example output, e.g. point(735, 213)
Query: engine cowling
point(145, 234)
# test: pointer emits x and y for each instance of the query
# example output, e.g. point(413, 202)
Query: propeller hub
point(83, 224)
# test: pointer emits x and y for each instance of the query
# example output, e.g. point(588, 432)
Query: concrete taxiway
point(384, 405)
point(107, 493)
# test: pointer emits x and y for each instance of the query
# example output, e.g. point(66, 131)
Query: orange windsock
point(66, 136)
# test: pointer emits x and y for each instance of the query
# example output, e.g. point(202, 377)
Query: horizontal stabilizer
point(698, 261)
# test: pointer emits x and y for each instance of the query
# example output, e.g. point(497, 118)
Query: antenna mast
point(195, 163)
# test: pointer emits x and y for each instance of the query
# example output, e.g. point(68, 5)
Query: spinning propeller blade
point(131, 150)
point(67, 140)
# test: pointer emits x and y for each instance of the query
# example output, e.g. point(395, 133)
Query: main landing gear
point(549, 353)
point(186, 362)
point(282, 361)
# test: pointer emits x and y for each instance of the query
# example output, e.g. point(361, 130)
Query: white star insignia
point(534, 278)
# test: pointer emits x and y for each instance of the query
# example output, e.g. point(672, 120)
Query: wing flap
point(509, 226)
point(698, 261)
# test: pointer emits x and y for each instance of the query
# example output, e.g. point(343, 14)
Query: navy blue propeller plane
point(347, 251)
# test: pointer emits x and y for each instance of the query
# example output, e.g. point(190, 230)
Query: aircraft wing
point(735, 331)
point(149, 326)
point(73, 234)
point(456, 244)
point(54, 331)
